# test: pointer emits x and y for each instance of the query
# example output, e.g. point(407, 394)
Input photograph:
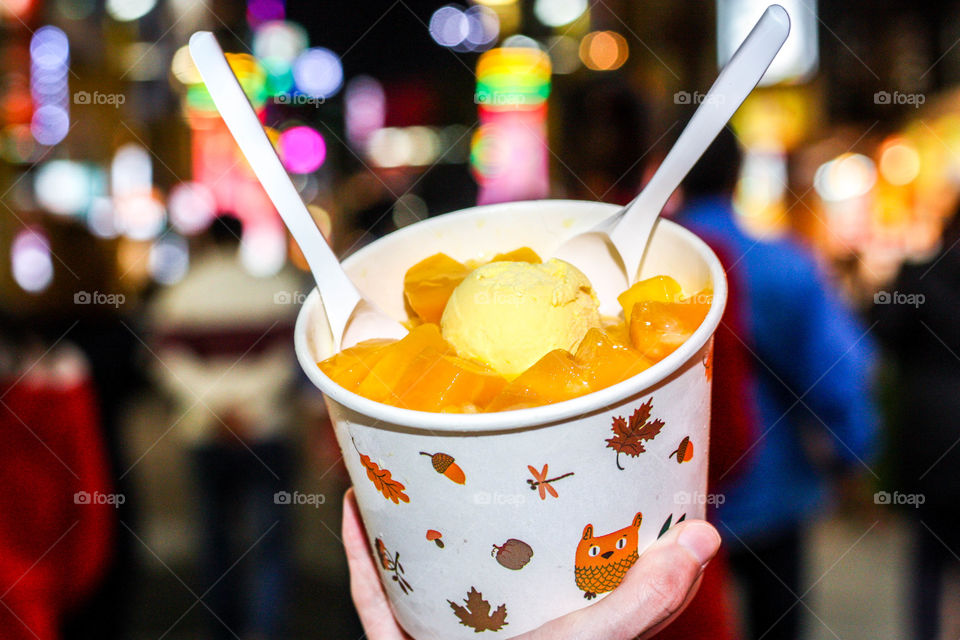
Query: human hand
point(654, 591)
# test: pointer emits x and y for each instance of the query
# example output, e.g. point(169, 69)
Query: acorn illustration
point(435, 536)
point(684, 451)
point(443, 463)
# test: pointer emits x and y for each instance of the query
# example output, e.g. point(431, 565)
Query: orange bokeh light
point(899, 162)
point(604, 50)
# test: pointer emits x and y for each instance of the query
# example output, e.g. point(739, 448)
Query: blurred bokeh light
point(30, 259)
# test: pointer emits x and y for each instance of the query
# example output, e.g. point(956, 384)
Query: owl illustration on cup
point(602, 561)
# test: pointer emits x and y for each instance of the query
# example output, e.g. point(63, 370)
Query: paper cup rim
point(517, 419)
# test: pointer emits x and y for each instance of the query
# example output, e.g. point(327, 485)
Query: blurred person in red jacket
point(57, 507)
point(733, 428)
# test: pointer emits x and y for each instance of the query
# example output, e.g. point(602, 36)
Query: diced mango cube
point(604, 362)
point(349, 367)
point(553, 378)
point(437, 381)
point(655, 289)
point(381, 383)
point(658, 328)
point(428, 284)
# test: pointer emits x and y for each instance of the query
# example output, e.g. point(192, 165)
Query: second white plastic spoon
point(627, 232)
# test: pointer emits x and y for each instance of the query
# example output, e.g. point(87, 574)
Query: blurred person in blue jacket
point(814, 366)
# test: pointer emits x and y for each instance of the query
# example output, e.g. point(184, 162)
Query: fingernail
point(701, 540)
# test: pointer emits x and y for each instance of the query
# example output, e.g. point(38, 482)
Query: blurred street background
point(169, 473)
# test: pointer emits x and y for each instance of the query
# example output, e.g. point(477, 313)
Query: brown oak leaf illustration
point(382, 480)
point(629, 435)
point(477, 613)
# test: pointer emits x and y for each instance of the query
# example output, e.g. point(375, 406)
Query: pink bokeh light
point(302, 149)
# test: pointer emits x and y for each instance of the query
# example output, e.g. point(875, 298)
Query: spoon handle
point(735, 82)
point(337, 292)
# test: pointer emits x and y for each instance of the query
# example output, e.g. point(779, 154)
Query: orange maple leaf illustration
point(629, 435)
point(382, 480)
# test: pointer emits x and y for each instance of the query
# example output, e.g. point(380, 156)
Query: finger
point(365, 586)
point(654, 591)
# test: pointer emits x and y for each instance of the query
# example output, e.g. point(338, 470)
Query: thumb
point(654, 591)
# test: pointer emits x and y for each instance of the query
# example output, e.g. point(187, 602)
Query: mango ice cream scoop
point(508, 315)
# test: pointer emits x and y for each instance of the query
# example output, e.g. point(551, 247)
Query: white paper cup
point(583, 538)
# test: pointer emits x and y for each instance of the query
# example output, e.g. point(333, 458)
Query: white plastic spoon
point(352, 318)
point(628, 231)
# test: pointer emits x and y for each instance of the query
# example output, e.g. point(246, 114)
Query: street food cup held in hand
point(542, 510)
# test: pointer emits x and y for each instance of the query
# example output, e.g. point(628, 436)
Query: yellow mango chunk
point(349, 367)
point(553, 378)
point(382, 381)
point(437, 381)
point(604, 362)
point(428, 284)
point(655, 289)
point(658, 328)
